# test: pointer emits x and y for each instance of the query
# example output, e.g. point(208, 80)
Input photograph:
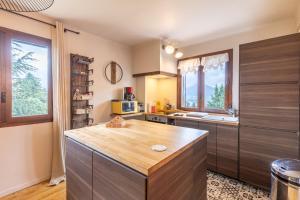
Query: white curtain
point(60, 102)
point(214, 62)
point(190, 65)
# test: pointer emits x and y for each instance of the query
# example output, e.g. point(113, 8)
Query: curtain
point(214, 62)
point(60, 102)
point(190, 65)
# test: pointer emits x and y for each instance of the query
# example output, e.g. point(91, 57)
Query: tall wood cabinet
point(269, 106)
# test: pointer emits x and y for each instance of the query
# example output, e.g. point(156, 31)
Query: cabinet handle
point(3, 97)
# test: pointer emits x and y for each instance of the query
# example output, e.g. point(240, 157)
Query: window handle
point(3, 97)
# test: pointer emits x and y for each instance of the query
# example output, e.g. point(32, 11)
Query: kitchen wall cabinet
point(211, 144)
point(79, 171)
point(269, 106)
point(227, 150)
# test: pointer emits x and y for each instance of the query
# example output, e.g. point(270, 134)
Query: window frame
point(201, 86)
point(6, 119)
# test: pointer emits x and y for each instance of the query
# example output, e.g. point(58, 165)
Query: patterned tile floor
point(223, 188)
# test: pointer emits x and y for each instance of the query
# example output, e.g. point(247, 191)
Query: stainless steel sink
point(221, 118)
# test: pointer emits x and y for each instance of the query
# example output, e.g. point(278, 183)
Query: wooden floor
point(40, 192)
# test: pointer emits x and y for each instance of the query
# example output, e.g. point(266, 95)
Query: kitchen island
point(119, 164)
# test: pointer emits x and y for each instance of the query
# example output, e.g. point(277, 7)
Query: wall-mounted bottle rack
point(80, 92)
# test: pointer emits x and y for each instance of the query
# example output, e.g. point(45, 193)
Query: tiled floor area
point(222, 188)
point(218, 188)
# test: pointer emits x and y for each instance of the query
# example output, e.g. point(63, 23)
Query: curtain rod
point(49, 24)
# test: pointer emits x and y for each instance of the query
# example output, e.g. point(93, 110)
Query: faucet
point(231, 111)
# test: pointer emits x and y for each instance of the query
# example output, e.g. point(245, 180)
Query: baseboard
point(22, 186)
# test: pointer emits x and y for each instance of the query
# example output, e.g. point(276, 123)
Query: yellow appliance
point(124, 107)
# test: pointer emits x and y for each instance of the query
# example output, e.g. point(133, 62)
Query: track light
point(178, 54)
point(169, 49)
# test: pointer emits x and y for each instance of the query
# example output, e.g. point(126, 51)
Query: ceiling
point(186, 21)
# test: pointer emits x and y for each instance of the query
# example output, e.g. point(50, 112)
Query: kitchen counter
point(135, 140)
point(161, 114)
point(130, 148)
point(215, 121)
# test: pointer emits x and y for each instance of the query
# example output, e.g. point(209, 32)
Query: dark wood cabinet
point(187, 123)
point(137, 117)
point(78, 170)
point(211, 145)
point(222, 146)
point(259, 147)
point(227, 150)
point(112, 180)
point(269, 106)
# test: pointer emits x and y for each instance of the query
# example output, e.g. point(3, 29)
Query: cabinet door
point(211, 145)
point(227, 150)
point(114, 181)
point(78, 171)
point(271, 106)
point(270, 61)
point(259, 148)
point(137, 117)
point(187, 123)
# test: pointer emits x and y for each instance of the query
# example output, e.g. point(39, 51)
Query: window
point(189, 97)
point(207, 88)
point(26, 81)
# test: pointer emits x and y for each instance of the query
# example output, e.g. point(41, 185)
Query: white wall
point(104, 51)
point(275, 29)
point(298, 17)
point(167, 90)
point(26, 151)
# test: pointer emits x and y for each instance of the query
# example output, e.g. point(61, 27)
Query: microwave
point(124, 107)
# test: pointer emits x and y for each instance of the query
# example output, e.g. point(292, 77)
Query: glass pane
point(189, 97)
point(29, 79)
point(214, 95)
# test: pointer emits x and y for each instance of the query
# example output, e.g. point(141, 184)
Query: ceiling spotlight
point(178, 54)
point(169, 49)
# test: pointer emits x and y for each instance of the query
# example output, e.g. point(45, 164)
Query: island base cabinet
point(78, 171)
point(183, 178)
point(113, 181)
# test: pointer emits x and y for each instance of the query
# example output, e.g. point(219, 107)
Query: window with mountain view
point(209, 88)
point(189, 97)
point(214, 87)
point(28, 90)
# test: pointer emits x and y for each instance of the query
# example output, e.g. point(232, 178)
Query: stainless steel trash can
point(285, 179)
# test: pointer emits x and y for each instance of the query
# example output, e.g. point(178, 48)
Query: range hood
point(149, 59)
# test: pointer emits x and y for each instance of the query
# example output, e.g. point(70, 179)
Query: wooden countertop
point(131, 145)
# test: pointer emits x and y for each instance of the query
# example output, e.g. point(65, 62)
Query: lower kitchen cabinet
point(187, 123)
point(137, 117)
point(259, 148)
point(222, 146)
point(227, 150)
point(211, 145)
